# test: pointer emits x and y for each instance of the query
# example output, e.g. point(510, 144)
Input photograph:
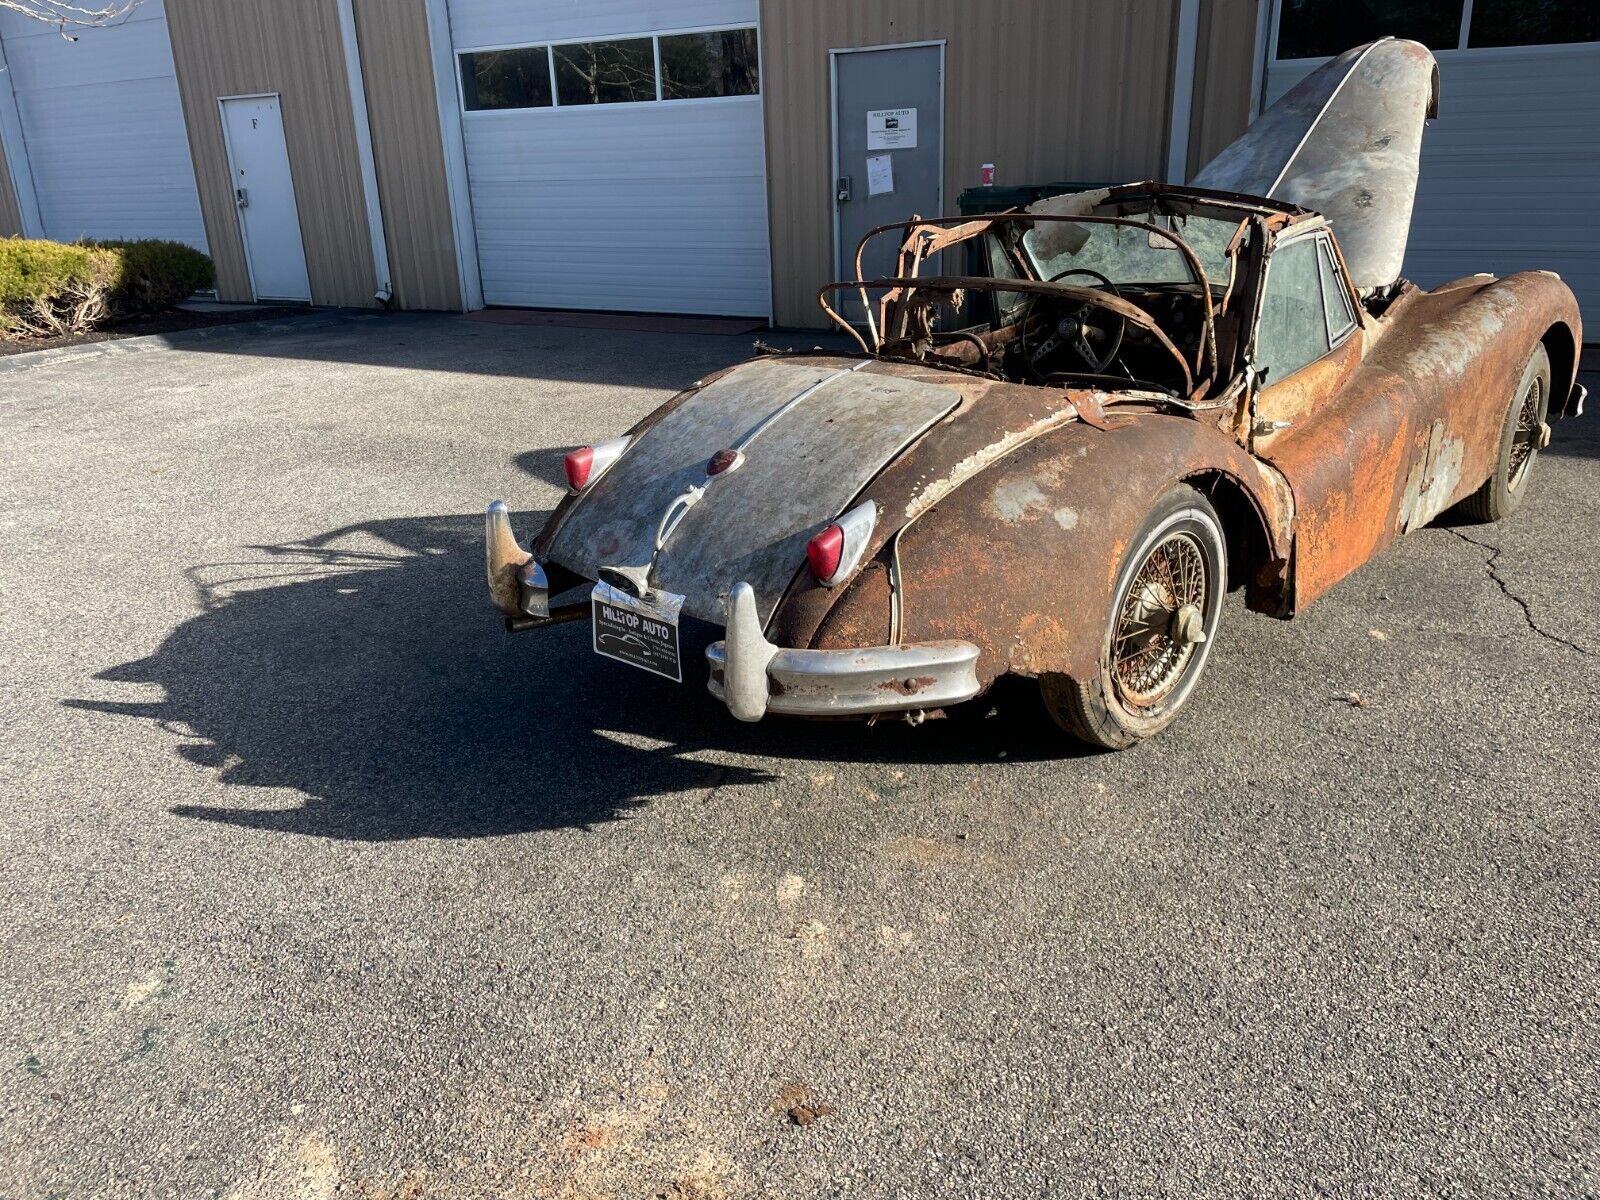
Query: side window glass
point(1334, 297)
point(1293, 329)
point(1001, 267)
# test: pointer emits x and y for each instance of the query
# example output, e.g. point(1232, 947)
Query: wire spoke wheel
point(1525, 438)
point(1157, 628)
point(1159, 624)
point(1523, 433)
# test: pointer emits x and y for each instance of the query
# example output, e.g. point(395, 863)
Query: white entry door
point(263, 190)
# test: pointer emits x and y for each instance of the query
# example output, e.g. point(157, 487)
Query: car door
point(1329, 425)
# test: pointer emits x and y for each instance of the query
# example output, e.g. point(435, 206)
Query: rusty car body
point(1066, 432)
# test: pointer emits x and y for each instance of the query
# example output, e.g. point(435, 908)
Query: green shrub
point(155, 275)
point(49, 288)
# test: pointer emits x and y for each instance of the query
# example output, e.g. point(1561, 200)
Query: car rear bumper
point(754, 677)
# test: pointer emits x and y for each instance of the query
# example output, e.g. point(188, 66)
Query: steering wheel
point(1074, 329)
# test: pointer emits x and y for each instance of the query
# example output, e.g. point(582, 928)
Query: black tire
point(1502, 493)
point(1105, 710)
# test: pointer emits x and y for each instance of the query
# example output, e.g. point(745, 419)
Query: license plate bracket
point(641, 633)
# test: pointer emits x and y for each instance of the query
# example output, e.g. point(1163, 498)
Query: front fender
point(1022, 558)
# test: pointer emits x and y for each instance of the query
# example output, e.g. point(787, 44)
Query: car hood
point(1344, 142)
point(812, 435)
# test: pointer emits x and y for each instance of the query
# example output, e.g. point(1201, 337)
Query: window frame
point(1328, 260)
point(1462, 49)
point(1293, 238)
point(461, 79)
point(654, 36)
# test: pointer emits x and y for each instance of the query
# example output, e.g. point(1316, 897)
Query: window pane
point(1293, 331)
point(517, 78)
point(1315, 28)
point(709, 64)
point(1533, 22)
point(606, 72)
point(1334, 298)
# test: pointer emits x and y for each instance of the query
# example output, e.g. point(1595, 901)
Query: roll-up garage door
point(615, 154)
point(102, 128)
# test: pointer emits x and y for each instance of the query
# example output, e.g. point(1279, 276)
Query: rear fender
point(1022, 558)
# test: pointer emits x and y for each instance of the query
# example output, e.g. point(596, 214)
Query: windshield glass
point(1129, 254)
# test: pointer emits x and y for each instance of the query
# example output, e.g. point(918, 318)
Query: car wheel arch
point(998, 525)
point(1252, 564)
point(1561, 344)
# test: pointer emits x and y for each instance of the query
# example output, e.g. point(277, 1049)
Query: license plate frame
point(641, 633)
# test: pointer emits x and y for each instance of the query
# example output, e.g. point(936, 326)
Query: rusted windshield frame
point(910, 257)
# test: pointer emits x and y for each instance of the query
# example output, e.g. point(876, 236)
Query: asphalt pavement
point(314, 882)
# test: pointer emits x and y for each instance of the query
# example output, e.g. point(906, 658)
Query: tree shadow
point(365, 671)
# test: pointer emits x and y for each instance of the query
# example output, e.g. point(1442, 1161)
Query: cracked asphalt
point(317, 883)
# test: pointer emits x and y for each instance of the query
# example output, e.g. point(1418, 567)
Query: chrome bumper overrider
point(754, 677)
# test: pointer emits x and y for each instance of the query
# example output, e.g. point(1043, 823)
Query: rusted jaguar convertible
point(1067, 433)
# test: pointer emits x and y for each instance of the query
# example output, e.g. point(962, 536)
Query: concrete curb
point(268, 327)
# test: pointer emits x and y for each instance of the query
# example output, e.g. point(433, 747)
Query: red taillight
point(579, 464)
point(824, 553)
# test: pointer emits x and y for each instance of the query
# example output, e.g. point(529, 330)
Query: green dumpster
point(975, 201)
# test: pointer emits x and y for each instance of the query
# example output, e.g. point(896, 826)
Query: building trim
point(16, 153)
point(455, 154)
point(1266, 38)
point(766, 165)
point(369, 167)
point(1183, 73)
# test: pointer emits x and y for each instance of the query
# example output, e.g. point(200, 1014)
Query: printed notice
point(880, 174)
point(891, 129)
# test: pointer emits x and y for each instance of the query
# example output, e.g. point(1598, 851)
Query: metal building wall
point(1045, 89)
point(408, 151)
point(292, 47)
point(1224, 68)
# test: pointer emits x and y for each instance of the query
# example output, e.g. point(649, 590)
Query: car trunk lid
point(811, 435)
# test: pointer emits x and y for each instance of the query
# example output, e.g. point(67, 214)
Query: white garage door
point(1511, 167)
point(103, 130)
point(614, 153)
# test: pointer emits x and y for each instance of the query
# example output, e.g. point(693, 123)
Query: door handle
point(241, 197)
point(841, 190)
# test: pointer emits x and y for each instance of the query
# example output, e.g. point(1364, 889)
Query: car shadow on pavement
point(365, 670)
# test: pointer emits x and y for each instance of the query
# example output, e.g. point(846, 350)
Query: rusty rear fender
point(1021, 556)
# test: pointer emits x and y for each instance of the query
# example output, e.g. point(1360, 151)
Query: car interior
point(1144, 282)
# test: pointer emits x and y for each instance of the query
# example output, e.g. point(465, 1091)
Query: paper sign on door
point(891, 129)
point(880, 174)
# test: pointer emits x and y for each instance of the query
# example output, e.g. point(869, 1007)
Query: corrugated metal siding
point(10, 214)
point(1509, 168)
point(1045, 89)
point(1224, 64)
point(292, 47)
point(103, 127)
point(406, 146)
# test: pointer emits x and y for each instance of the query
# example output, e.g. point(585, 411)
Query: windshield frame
point(925, 238)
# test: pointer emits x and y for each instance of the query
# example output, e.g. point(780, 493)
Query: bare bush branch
point(62, 14)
